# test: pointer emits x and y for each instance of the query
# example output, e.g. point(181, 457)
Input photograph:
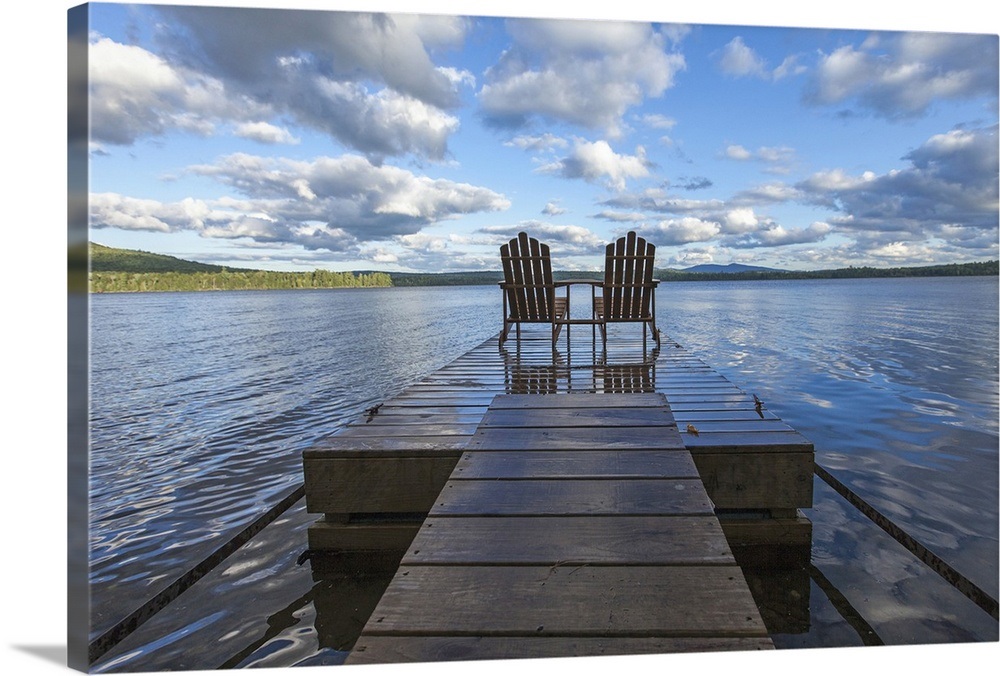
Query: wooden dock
point(577, 522)
point(489, 484)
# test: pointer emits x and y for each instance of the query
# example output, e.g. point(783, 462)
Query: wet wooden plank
point(740, 442)
point(738, 404)
point(555, 540)
point(456, 401)
point(581, 417)
point(467, 410)
point(377, 428)
point(714, 398)
point(576, 465)
point(752, 425)
point(579, 438)
point(454, 398)
point(684, 417)
point(385, 649)
point(576, 496)
point(625, 601)
point(441, 416)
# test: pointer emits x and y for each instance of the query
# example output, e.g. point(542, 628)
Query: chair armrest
point(567, 282)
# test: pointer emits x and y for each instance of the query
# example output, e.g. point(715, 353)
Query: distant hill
point(732, 268)
point(108, 259)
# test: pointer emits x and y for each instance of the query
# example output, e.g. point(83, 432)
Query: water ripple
point(203, 403)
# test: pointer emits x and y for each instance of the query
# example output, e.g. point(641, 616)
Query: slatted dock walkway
point(572, 525)
point(448, 450)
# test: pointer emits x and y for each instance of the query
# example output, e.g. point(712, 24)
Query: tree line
point(950, 270)
point(114, 270)
point(666, 275)
point(232, 280)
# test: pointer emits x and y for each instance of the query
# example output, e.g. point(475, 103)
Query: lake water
point(201, 404)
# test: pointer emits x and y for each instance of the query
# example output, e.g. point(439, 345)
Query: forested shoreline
point(122, 270)
point(232, 280)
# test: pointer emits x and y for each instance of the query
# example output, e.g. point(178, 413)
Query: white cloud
point(134, 93)
point(553, 209)
point(950, 179)
point(323, 203)
point(587, 73)
point(741, 219)
point(769, 193)
point(773, 235)
point(656, 121)
point(572, 239)
point(904, 252)
point(598, 162)
point(738, 152)
point(458, 77)
point(689, 257)
point(621, 216)
point(264, 132)
point(778, 157)
point(739, 60)
point(836, 179)
point(775, 153)
point(790, 66)
point(680, 231)
point(904, 75)
point(244, 45)
point(546, 141)
point(365, 79)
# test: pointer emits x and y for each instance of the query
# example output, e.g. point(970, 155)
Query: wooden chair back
point(628, 279)
point(528, 285)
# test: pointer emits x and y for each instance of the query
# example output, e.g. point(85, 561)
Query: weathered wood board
point(673, 464)
point(576, 496)
point(571, 540)
point(373, 649)
point(625, 601)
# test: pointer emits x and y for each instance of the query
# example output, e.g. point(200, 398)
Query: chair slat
point(629, 293)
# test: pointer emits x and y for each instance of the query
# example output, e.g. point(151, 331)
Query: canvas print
point(413, 337)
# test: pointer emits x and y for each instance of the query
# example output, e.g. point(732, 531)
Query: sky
point(302, 139)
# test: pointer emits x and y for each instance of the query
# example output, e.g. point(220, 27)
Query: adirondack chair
point(529, 293)
point(628, 291)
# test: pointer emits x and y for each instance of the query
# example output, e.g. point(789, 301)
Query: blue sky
point(306, 139)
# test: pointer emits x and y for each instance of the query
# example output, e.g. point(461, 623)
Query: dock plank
point(625, 601)
point(513, 439)
point(676, 464)
point(630, 540)
point(382, 649)
point(578, 496)
point(580, 417)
